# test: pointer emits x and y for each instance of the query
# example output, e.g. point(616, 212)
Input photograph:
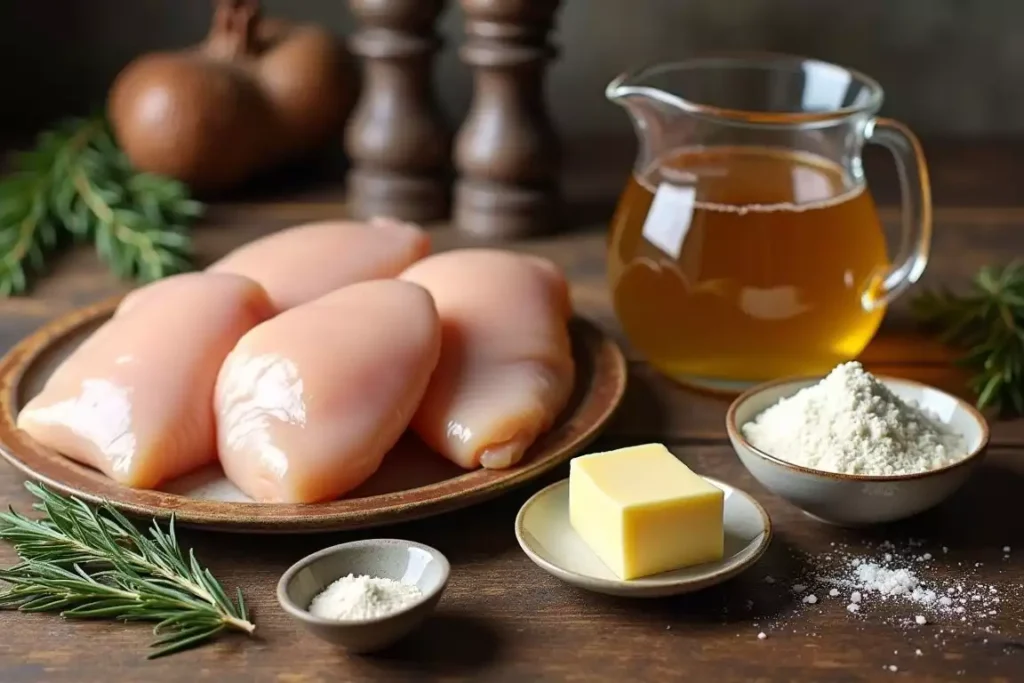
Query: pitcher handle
point(916, 201)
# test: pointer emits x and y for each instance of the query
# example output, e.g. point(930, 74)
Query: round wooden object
point(374, 193)
point(396, 139)
point(502, 212)
point(507, 152)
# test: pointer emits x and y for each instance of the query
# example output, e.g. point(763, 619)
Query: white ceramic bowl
point(859, 500)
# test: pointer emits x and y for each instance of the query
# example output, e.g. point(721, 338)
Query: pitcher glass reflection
point(746, 245)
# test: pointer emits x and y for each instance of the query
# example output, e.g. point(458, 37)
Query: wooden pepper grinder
point(396, 139)
point(506, 151)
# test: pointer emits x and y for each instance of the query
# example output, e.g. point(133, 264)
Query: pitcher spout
point(655, 114)
point(645, 105)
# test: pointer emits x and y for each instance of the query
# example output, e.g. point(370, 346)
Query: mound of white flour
point(853, 424)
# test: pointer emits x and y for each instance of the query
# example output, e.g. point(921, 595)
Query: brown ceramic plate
point(413, 482)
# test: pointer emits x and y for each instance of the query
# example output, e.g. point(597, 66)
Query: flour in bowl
point(363, 597)
point(851, 423)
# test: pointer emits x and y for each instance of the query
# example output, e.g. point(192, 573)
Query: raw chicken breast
point(309, 403)
point(506, 369)
point(305, 262)
point(135, 400)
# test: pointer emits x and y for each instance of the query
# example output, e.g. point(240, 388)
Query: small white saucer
point(546, 536)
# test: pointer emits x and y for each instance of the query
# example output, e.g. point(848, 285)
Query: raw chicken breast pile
point(300, 359)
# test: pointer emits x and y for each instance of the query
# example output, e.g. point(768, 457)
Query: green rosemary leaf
point(988, 392)
point(174, 238)
point(170, 621)
point(243, 609)
point(180, 643)
point(87, 562)
point(98, 610)
point(184, 634)
point(77, 184)
point(987, 322)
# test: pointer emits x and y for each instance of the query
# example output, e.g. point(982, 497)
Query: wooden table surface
point(504, 619)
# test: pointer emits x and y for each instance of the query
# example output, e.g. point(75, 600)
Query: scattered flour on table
point(362, 597)
point(851, 423)
point(923, 596)
point(932, 601)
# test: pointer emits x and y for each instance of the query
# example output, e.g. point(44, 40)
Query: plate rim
point(633, 588)
point(44, 465)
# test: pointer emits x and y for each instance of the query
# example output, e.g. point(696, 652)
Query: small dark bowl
point(394, 559)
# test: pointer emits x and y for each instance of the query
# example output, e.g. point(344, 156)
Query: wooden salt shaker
point(395, 138)
point(506, 151)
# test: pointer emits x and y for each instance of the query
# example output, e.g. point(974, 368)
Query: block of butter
point(644, 512)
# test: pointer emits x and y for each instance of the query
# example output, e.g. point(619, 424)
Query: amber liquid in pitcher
point(742, 264)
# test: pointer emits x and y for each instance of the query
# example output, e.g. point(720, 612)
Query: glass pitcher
point(746, 245)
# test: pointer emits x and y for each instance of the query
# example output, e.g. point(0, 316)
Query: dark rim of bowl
point(302, 613)
point(734, 431)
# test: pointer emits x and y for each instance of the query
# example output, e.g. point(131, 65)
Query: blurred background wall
point(951, 68)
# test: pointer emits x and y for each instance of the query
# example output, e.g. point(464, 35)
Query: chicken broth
point(745, 263)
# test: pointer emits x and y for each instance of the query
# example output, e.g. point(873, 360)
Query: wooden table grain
point(502, 618)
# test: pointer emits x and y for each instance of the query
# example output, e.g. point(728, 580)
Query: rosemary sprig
point(988, 322)
point(78, 184)
point(87, 562)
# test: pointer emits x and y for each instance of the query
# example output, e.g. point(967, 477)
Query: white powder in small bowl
point(851, 423)
point(363, 597)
